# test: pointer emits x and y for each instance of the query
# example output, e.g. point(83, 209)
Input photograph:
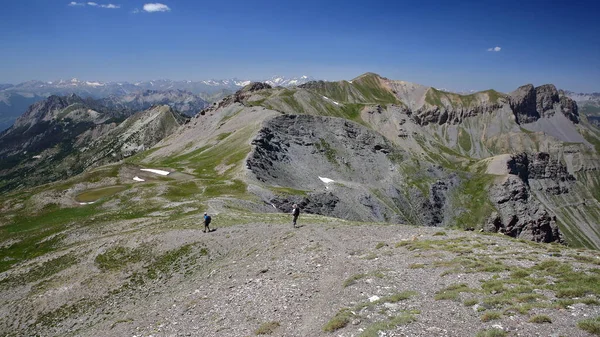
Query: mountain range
point(14, 99)
point(112, 200)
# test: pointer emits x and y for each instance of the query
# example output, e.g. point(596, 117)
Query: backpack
point(296, 211)
point(207, 220)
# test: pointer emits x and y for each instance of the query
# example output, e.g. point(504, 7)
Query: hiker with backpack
point(295, 214)
point(206, 222)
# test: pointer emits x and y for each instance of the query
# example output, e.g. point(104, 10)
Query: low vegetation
point(267, 328)
point(375, 329)
point(340, 320)
point(493, 332)
point(540, 319)
point(591, 325)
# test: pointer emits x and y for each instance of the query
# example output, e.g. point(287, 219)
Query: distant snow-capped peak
point(284, 82)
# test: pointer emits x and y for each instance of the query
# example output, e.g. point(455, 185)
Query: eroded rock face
point(530, 104)
point(437, 202)
point(523, 103)
point(521, 215)
point(569, 109)
point(296, 151)
point(451, 115)
point(548, 173)
point(545, 97)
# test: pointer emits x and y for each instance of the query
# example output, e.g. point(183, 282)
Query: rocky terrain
point(424, 213)
point(160, 276)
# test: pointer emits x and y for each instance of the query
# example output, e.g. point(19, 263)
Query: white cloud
point(156, 7)
point(94, 4)
point(495, 49)
point(135, 11)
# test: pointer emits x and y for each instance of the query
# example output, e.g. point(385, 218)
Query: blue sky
point(446, 44)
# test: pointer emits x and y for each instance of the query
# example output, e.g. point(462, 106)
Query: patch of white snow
point(136, 178)
point(326, 180)
point(329, 99)
point(161, 172)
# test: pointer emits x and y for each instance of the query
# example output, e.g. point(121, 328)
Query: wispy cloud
point(156, 7)
point(494, 49)
point(94, 4)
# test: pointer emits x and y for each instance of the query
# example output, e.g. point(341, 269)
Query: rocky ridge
point(62, 136)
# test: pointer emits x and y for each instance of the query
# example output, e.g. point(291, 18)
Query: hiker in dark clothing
point(206, 222)
point(295, 214)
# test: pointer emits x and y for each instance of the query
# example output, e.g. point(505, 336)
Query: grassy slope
point(337, 99)
point(215, 174)
point(26, 237)
point(443, 98)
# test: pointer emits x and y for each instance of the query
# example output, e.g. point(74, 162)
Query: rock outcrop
point(530, 104)
point(523, 103)
point(551, 175)
point(241, 96)
point(450, 114)
point(438, 200)
point(520, 214)
point(569, 108)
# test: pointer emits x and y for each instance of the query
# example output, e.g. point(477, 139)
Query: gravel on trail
point(299, 279)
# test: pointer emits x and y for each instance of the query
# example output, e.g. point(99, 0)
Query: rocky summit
point(423, 213)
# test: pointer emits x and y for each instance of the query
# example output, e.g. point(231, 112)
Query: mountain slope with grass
point(62, 136)
point(387, 186)
point(374, 149)
point(432, 168)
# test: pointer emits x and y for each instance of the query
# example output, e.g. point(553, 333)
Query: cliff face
point(450, 114)
point(520, 214)
point(523, 103)
point(530, 104)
